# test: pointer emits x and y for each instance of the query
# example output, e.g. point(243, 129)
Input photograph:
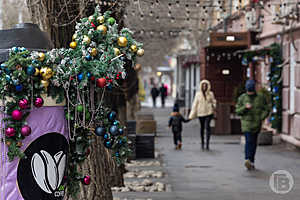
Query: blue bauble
point(22, 49)
point(19, 88)
point(15, 49)
point(271, 60)
point(116, 123)
point(120, 142)
point(100, 131)
point(113, 130)
point(275, 89)
point(3, 65)
point(88, 57)
point(34, 62)
point(7, 77)
point(80, 77)
point(108, 144)
point(16, 82)
point(109, 87)
point(117, 154)
point(277, 98)
point(112, 116)
point(30, 70)
point(88, 75)
point(7, 71)
point(121, 131)
point(245, 62)
point(106, 136)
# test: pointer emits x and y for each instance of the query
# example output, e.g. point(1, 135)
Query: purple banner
point(41, 175)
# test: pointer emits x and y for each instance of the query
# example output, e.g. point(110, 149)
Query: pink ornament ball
point(23, 104)
point(86, 180)
point(26, 130)
point(10, 132)
point(38, 102)
point(16, 115)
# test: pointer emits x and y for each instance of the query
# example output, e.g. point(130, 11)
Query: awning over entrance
point(234, 40)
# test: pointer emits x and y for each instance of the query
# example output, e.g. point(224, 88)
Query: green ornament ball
point(111, 20)
point(87, 116)
point(79, 108)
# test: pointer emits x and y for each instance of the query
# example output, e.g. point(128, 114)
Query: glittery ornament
point(101, 82)
point(38, 102)
point(101, 19)
point(23, 104)
point(122, 41)
point(26, 130)
point(140, 52)
point(100, 131)
point(86, 180)
point(16, 115)
point(112, 116)
point(73, 45)
point(10, 132)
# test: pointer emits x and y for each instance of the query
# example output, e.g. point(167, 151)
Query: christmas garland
point(81, 74)
point(275, 77)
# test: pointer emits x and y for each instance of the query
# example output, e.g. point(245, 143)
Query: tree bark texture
point(58, 18)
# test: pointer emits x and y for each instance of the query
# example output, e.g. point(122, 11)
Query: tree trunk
point(58, 18)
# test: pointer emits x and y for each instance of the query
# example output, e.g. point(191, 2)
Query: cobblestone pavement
point(193, 174)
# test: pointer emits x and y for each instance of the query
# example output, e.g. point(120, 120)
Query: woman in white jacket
point(204, 106)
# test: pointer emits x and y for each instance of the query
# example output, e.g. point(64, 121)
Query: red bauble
point(23, 104)
point(16, 115)
point(26, 130)
point(10, 132)
point(38, 102)
point(86, 180)
point(93, 78)
point(101, 82)
point(93, 25)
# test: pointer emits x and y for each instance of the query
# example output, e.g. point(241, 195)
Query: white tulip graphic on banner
point(48, 171)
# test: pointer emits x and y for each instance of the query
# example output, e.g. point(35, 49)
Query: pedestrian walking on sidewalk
point(163, 94)
point(175, 123)
point(204, 107)
point(154, 94)
point(253, 109)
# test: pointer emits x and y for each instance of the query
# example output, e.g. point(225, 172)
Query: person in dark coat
point(154, 94)
point(175, 123)
point(163, 94)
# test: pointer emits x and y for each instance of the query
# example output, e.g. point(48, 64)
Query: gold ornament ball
point(41, 57)
point(48, 74)
point(103, 29)
point(137, 67)
point(94, 52)
point(122, 41)
point(45, 83)
point(74, 36)
point(101, 19)
point(140, 52)
point(19, 144)
point(133, 48)
point(86, 39)
point(73, 45)
point(117, 51)
point(43, 71)
point(91, 18)
point(37, 72)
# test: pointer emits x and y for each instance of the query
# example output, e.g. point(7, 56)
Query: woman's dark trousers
point(205, 125)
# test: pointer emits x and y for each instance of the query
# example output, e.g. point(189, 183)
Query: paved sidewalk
point(193, 174)
point(219, 174)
